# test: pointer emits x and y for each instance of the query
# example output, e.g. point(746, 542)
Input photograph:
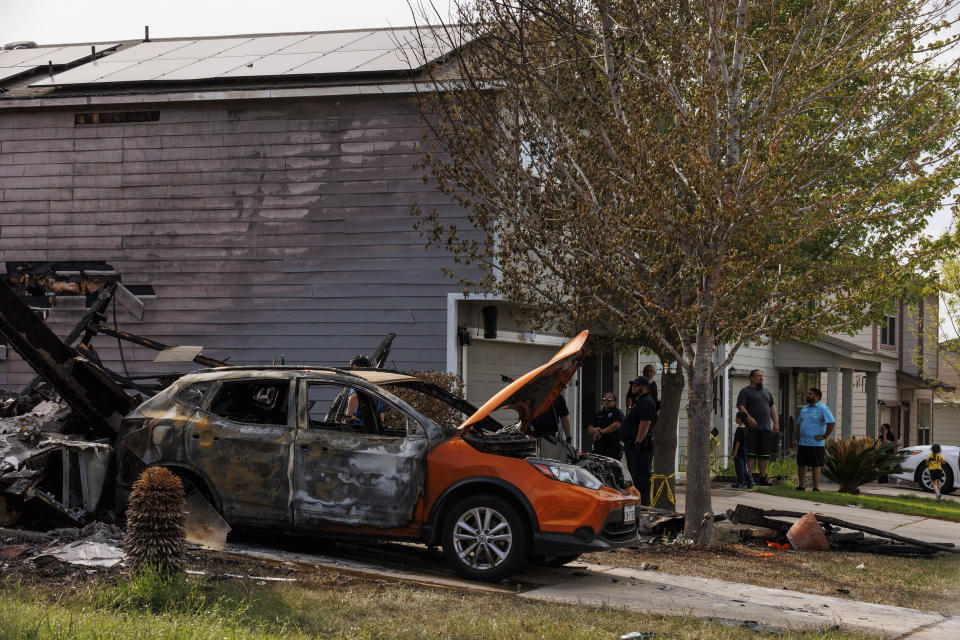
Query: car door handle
point(196, 436)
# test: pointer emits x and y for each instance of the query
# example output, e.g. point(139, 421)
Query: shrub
point(155, 534)
point(856, 461)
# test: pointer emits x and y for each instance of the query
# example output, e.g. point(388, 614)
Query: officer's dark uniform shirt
point(643, 409)
point(548, 422)
point(607, 443)
point(604, 419)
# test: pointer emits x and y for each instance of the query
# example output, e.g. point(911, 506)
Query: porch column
point(871, 404)
point(846, 424)
point(833, 397)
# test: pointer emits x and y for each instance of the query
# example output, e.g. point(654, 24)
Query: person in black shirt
point(552, 420)
point(636, 433)
point(605, 428)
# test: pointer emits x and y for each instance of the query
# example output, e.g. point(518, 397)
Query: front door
point(358, 458)
point(242, 443)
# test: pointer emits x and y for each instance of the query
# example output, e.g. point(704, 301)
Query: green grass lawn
point(323, 606)
point(906, 504)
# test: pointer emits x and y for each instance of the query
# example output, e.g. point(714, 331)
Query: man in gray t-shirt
point(762, 423)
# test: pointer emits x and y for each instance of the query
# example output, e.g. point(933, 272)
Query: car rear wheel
point(485, 538)
point(923, 477)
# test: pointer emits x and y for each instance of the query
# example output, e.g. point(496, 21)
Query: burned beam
point(96, 310)
point(153, 344)
point(84, 386)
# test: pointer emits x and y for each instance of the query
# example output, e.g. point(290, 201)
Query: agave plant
point(856, 461)
point(155, 534)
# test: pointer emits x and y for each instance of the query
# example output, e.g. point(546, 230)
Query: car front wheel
point(923, 477)
point(485, 538)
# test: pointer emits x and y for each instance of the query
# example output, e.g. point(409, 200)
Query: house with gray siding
point(260, 209)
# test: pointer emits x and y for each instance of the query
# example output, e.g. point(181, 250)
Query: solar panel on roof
point(325, 42)
point(148, 50)
point(388, 61)
point(21, 61)
point(272, 65)
point(259, 56)
point(265, 45)
point(148, 70)
point(201, 49)
point(85, 74)
point(11, 72)
point(209, 68)
point(336, 62)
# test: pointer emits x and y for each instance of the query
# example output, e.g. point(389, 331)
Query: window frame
point(888, 332)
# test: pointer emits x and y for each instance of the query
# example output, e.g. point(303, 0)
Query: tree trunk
point(665, 436)
point(699, 512)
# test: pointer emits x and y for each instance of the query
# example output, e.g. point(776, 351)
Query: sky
point(62, 21)
point(71, 21)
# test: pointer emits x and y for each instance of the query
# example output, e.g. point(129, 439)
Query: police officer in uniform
point(636, 432)
point(605, 428)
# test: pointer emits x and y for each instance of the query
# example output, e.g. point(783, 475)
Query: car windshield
point(441, 406)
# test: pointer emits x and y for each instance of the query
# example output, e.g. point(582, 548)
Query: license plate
point(629, 514)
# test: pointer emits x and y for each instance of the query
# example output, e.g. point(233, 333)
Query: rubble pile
point(61, 551)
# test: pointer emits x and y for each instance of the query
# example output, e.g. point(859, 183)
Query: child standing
point(744, 479)
point(935, 467)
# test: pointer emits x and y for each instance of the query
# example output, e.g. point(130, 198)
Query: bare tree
point(689, 174)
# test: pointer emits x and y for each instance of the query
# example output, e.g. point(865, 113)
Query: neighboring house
point(885, 373)
point(946, 403)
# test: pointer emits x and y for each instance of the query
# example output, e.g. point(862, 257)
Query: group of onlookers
point(630, 436)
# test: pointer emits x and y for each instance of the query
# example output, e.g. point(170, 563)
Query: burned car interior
point(253, 401)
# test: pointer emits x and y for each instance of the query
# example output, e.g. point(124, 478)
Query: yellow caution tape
point(664, 482)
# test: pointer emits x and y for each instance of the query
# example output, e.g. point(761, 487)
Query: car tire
point(923, 479)
point(556, 561)
point(485, 538)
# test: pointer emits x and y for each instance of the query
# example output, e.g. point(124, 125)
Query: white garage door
point(946, 425)
point(487, 360)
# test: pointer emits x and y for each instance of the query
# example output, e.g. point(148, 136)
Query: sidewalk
point(667, 594)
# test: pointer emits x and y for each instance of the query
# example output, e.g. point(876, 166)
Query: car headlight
point(568, 473)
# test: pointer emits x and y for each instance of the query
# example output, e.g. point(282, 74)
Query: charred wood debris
point(56, 435)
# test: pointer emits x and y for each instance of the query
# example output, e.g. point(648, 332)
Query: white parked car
point(915, 467)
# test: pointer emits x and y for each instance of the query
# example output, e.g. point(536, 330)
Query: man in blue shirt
point(814, 426)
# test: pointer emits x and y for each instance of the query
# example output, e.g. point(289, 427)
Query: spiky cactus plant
point(155, 522)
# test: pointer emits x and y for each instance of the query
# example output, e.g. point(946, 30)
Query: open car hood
point(534, 392)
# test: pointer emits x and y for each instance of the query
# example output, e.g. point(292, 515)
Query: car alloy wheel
point(485, 538)
point(923, 477)
point(482, 538)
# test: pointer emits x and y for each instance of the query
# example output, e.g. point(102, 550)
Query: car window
point(341, 408)
point(196, 393)
point(253, 401)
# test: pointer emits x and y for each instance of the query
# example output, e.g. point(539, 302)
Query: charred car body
point(329, 451)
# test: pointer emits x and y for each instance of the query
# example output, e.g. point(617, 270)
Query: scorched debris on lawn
point(56, 435)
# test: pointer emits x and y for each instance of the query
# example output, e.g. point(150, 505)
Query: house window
point(888, 331)
point(924, 422)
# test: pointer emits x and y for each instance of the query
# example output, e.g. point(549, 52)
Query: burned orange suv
point(327, 451)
